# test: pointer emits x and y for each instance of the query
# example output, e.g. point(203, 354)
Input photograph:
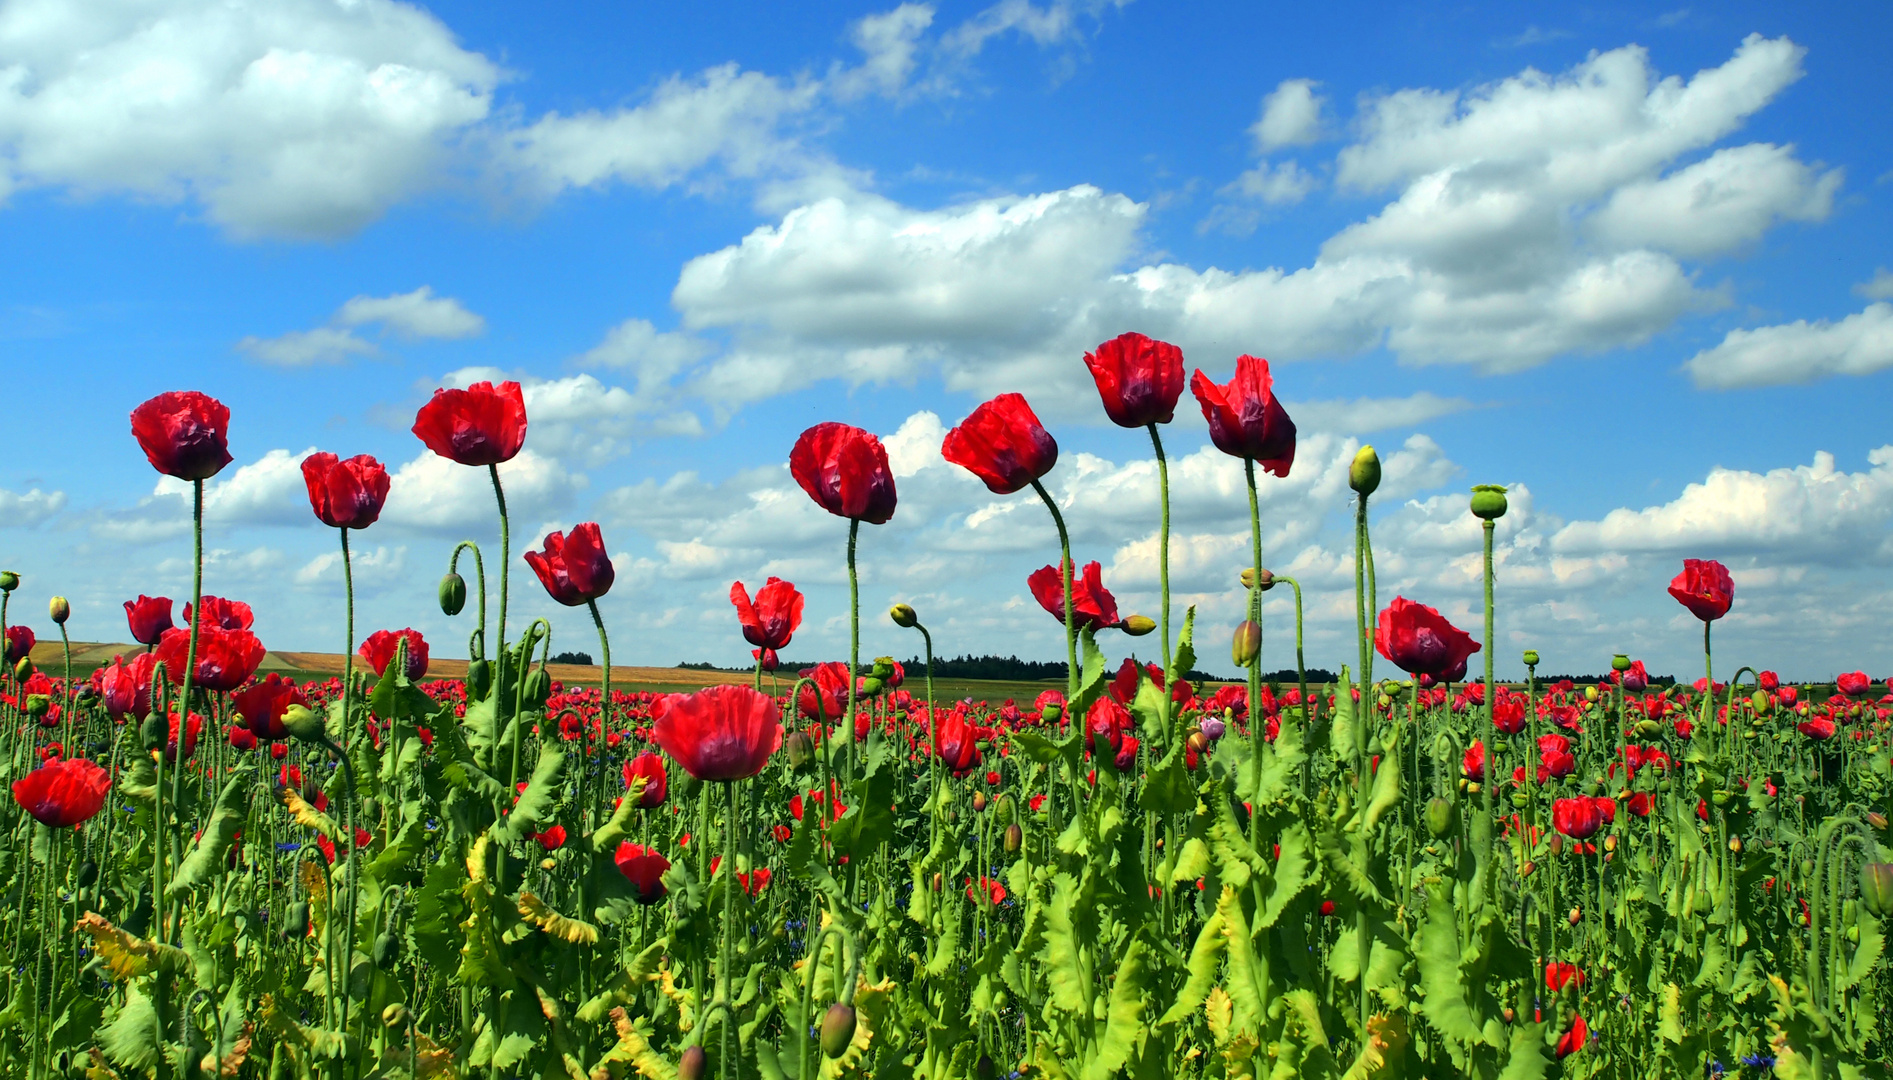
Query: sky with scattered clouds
point(1630, 261)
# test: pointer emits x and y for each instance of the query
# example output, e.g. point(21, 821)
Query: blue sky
point(1631, 261)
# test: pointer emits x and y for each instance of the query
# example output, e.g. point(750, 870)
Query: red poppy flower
point(345, 494)
point(1818, 728)
point(1139, 379)
point(1853, 683)
point(481, 425)
point(574, 568)
point(262, 706)
point(551, 839)
point(1768, 681)
point(1003, 444)
point(772, 620)
point(994, 891)
point(224, 614)
point(225, 658)
point(1092, 605)
point(242, 738)
point(183, 434)
point(656, 781)
point(1246, 419)
point(831, 680)
point(63, 793)
point(378, 651)
point(149, 617)
point(644, 868)
point(1107, 722)
point(1580, 818)
point(125, 686)
point(1705, 588)
point(1575, 1037)
point(1421, 641)
point(1557, 974)
point(20, 641)
point(1508, 715)
point(845, 470)
point(720, 732)
point(1472, 766)
point(1640, 803)
point(957, 743)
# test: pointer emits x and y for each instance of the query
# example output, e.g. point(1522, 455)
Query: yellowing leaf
point(307, 815)
point(574, 931)
point(129, 956)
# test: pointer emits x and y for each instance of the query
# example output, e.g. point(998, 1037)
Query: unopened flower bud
point(394, 1015)
point(1364, 474)
point(1198, 741)
point(9, 581)
point(1876, 887)
point(304, 724)
point(801, 748)
point(1577, 916)
point(903, 616)
point(23, 670)
point(59, 609)
point(453, 594)
point(1212, 727)
point(869, 687)
point(1250, 579)
point(1488, 502)
point(1015, 836)
point(979, 801)
point(1246, 643)
point(1531, 657)
point(1441, 815)
point(837, 1030)
point(692, 1064)
point(1138, 625)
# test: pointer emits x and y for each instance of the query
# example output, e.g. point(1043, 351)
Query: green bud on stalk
point(304, 724)
point(1051, 713)
point(1249, 579)
point(1620, 662)
point(903, 616)
point(23, 670)
point(394, 1016)
point(296, 920)
point(38, 705)
point(870, 686)
point(837, 1030)
point(453, 594)
point(801, 749)
point(479, 679)
point(1488, 502)
point(1015, 836)
point(692, 1064)
point(1138, 625)
point(9, 581)
point(1364, 474)
point(59, 609)
point(1531, 657)
point(387, 951)
point(1876, 887)
point(1441, 816)
point(1246, 643)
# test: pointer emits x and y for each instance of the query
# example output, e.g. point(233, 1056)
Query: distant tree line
point(584, 658)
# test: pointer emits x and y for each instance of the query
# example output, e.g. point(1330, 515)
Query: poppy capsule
point(692, 1064)
point(838, 1026)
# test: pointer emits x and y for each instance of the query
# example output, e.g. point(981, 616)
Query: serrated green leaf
point(208, 854)
point(1064, 967)
point(1442, 984)
point(1205, 957)
point(1123, 1018)
point(535, 803)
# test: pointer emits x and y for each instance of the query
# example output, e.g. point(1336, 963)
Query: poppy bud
point(1876, 819)
point(692, 1064)
point(984, 1069)
point(1440, 816)
point(453, 594)
point(1249, 579)
point(1531, 657)
point(1509, 1014)
point(394, 1015)
point(837, 1030)
point(1577, 916)
point(1488, 502)
point(23, 670)
point(538, 687)
point(88, 873)
point(979, 801)
point(1199, 742)
point(387, 951)
point(1138, 625)
point(548, 864)
point(939, 882)
point(1364, 474)
point(479, 678)
point(1590, 693)
point(1015, 836)
point(59, 609)
point(1762, 703)
point(801, 749)
point(38, 705)
point(1050, 714)
point(1876, 887)
point(9, 581)
point(903, 616)
point(1620, 662)
point(1245, 644)
point(1735, 844)
point(303, 724)
point(1525, 870)
point(152, 733)
point(296, 920)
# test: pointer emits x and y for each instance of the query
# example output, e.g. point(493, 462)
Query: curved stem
point(1071, 629)
point(479, 578)
point(1163, 556)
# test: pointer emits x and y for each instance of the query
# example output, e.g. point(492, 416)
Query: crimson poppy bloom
point(1246, 419)
point(149, 617)
point(1421, 641)
point(574, 568)
point(1138, 378)
point(649, 767)
point(20, 641)
point(1640, 803)
point(481, 425)
point(242, 738)
point(1575, 1037)
point(845, 470)
point(1472, 766)
point(1557, 974)
point(992, 891)
point(551, 839)
point(345, 494)
point(1092, 605)
point(1705, 588)
point(956, 743)
point(184, 434)
point(1818, 728)
point(719, 732)
point(224, 614)
point(831, 680)
point(378, 651)
point(1853, 683)
point(125, 686)
point(644, 868)
point(263, 704)
point(1003, 444)
point(61, 794)
point(772, 620)
point(225, 658)
point(1581, 817)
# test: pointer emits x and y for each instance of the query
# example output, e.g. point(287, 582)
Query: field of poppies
point(1412, 872)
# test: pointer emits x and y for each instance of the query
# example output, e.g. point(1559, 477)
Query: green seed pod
point(1620, 662)
point(1520, 799)
point(59, 609)
point(869, 687)
point(903, 616)
point(1051, 713)
point(538, 688)
point(38, 705)
point(1762, 703)
point(1488, 502)
point(153, 732)
point(296, 920)
point(23, 670)
point(1441, 817)
point(1531, 657)
point(692, 1064)
point(88, 873)
point(453, 594)
point(304, 724)
point(1015, 837)
point(9, 581)
point(387, 951)
point(801, 749)
point(394, 1015)
point(1137, 625)
point(837, 1030)
point(1876, 888)
point(883, 668)
point(1245, 644)
point(1363, 475)
point(479, 678)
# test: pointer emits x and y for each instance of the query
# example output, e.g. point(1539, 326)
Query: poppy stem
point(1071, 630)
point(854, 653)
point(506, 557)
point(1163, 562)
point(725, 992)
point(1491, 699)
point(190, 663)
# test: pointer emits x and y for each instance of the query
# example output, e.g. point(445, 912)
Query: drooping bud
point(304, 724)
point(296, 920)
point(453, 594)
point(1364, 474)
point(394, 1015)
point(387, 950)
point(1015, 836)
point(837, 1030)
point(1138, 625)
point(1441, 816)
point(9, 581)
point(479, 678)
point(801, 749)
point(979, 801)
point(1488, 502)
point(1249, 578)
point(903, 616)
point(1531, 657)
point(1762, 703)
point(1246, 643)
point(1876, 887)
point(59, 609)
point(692, 1064)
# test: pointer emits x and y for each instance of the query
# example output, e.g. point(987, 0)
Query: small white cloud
point(417, 314)
point(642, 347)
point(1291, 116)
point(888, 43)
point(1798, 352)
point(307, 348)
point(1363, 415)
point(1880, 288)
point(23, 511)
point(1718, 204)
point(1277, 185)
point(433, 494)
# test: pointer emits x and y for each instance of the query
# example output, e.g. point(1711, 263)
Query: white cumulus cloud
point(1291, 116)
point(1799, 352)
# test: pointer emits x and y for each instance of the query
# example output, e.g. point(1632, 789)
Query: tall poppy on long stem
point(1707, 590)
